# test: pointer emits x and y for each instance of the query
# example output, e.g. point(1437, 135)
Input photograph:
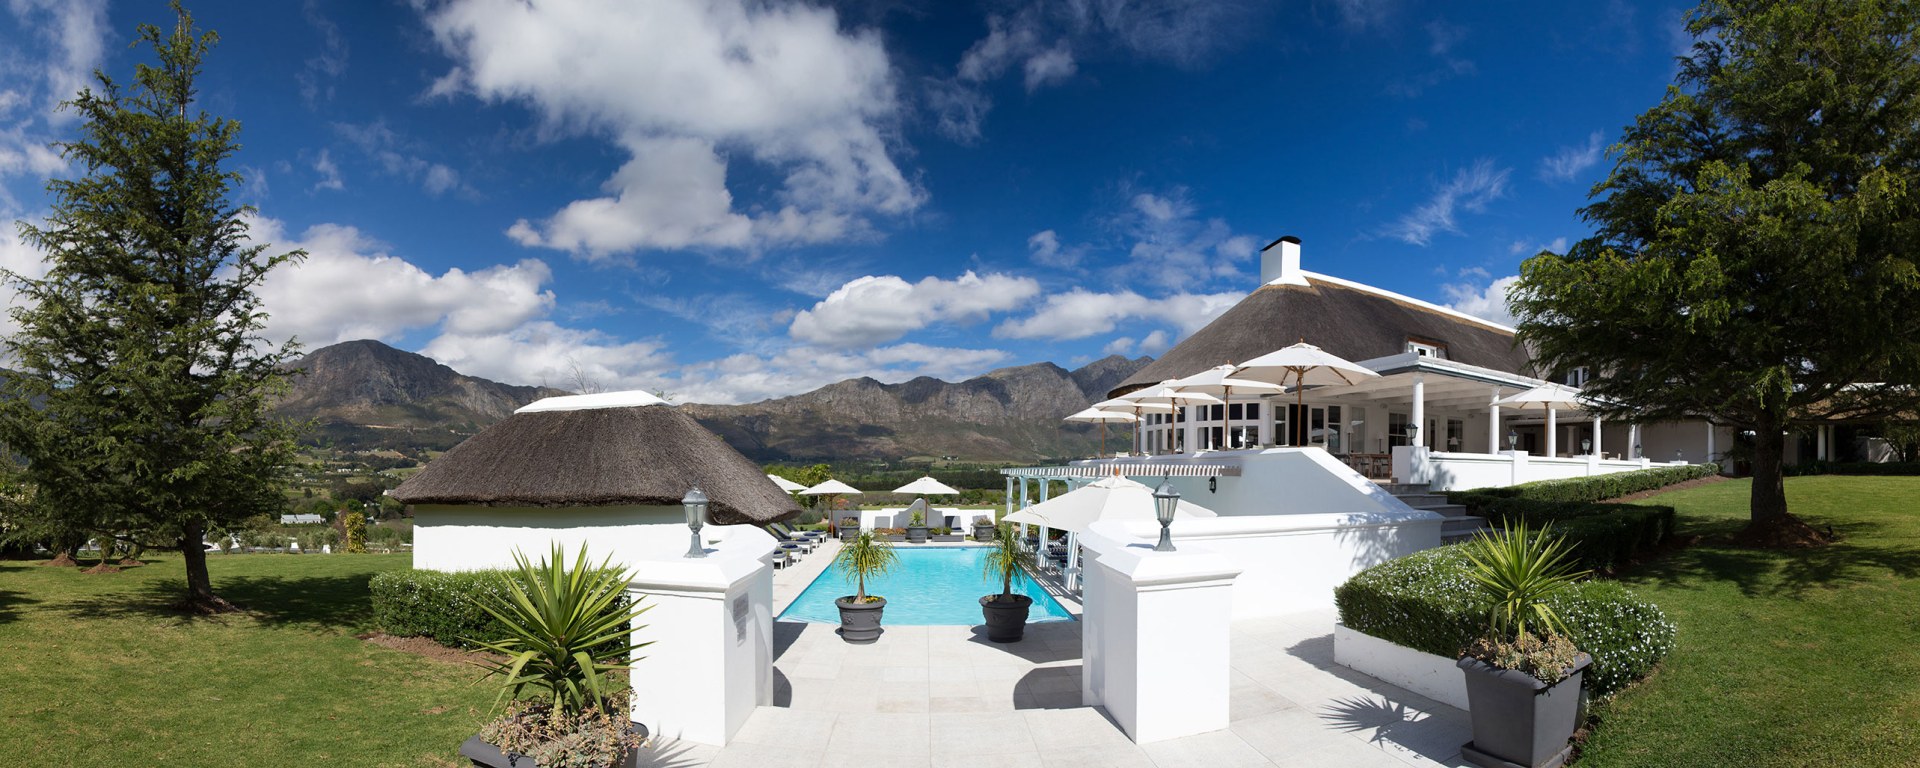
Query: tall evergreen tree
point(1754, 251)
point(141, 405)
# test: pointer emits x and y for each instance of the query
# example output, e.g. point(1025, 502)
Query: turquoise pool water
point(934, 585)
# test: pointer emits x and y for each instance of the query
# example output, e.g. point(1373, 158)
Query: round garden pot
point(860, 622)
point(486, 755)
point(1006, 619)
point(916, 534)
point(849, 534)
point(983, 533)
point(1518, 720)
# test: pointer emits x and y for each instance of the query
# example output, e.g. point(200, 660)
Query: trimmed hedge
point(439, 605)
point(1601, 537)
point(1426, 601)
point(1892, 469)
point(1595, 488)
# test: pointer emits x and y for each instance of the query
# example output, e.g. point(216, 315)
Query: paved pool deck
point(944, 696)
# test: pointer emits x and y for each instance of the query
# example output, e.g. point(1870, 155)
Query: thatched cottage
point(605, 469)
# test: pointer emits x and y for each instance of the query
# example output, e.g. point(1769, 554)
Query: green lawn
point(97, 673)
point(1784, 658)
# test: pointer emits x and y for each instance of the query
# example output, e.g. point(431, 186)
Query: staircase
point(1457, 526)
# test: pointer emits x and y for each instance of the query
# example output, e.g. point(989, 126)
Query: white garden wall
point(467, 538)
point(1434, 677)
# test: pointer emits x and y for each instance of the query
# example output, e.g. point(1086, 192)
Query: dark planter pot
point(983, 533)
point(916, 534)
point(1518, 720)
point(1006, 619)
point(860, 622)
point(849, 534)
point(486, 755)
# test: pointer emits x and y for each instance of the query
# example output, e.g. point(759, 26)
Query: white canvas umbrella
point(1109, 498)
point(1220, 382)
point(786, 485)
point(1162, 394)
point(927, 486)
point(1137, 409)
point(1303, 365)
point(1550, 397)
point(1100, 417)
point(830, 489)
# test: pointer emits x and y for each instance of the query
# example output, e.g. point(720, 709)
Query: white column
point(1023, 503)
point(1553, 434)
point(1820, 442)
point(711, 624)
point(1493, 423)
point(1046, 491)
point(1420, 410)
point(1191, 437)
point(1596, 437)
point(1711, 455)
point(1266, 422)
point(1156, 635)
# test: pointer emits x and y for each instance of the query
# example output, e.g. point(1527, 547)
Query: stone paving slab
point(944, 696)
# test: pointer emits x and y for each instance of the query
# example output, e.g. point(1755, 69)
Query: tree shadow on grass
point(331, 602)
point(1860, 556)
point(10, 602)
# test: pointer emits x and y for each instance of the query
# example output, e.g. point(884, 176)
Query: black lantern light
point(696, 506)
point(1513, 439)
point(1165, 501)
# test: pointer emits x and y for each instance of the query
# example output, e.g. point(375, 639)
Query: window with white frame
point(1576, 378)
point(1425, 348)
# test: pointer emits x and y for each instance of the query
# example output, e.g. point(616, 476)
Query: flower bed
point(1426, 602)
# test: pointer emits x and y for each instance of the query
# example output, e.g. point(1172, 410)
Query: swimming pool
point(935, 585)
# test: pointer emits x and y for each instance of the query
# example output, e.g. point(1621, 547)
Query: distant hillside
point(1010, 414)
point(397, 398)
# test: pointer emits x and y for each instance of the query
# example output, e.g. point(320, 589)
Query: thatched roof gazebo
point(605, 470)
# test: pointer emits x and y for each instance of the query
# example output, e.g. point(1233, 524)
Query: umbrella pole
point(1103, 439)
point(1226, 432)
point(1299, 405)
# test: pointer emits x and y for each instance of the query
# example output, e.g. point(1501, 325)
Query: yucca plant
point(864, 556)
point(1006, 555)
point(1520, 570)
point(567, 629)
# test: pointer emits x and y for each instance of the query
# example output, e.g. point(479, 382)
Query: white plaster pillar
point(1553, 434)
point(1820, 442)
point(1156, 634)
point(1190, 440)
point(1711, 456)
point(1494, 443)
point(1046, 492)
point(1596, 437)
point(710, 621)
point(1009, 499)
point(1419, 417)
point(1023, 503)
point(1266, 422)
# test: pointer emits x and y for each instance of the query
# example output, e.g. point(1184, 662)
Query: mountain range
point(368, 393)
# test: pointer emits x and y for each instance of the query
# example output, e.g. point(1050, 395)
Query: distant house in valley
point(303, 519)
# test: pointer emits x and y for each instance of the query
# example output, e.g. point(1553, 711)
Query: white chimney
point(1280, 262)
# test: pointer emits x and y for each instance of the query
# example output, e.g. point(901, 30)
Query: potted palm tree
point(1006, 612)
point(865, 555)
point(566, 631)
point(917, 527)
point(1523, 676)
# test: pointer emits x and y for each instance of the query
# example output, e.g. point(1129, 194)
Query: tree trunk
point(1769, 524)
point(200, 596)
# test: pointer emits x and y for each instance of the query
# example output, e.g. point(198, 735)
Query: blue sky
point(738, 200)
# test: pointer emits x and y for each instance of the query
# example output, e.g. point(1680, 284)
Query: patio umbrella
point(1161, 394)
point(1100, 417)
point(1303, 365)
point(830, 489)
point(927, 486)
point(1550, 397)
point(1137, 409)
point(1109, 498)
point(1220, 382)
point(786, 485)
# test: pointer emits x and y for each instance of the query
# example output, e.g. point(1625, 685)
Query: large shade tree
point(141, 400)
point(1753, 255)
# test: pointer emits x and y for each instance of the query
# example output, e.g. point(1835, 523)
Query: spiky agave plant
point(1521, 571)
point(567, 629)
point(1005, 556)
point(864, 556)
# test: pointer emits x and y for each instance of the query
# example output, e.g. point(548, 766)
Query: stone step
point(1421, 500)
point(1461, 528)
point(1449, 511)
point(1403, 488)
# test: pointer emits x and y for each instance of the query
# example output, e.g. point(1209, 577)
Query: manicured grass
point(97, 671)
point(1784, 658)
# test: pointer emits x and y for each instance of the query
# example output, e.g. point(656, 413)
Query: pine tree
point(1755, 247)
point(142, 399)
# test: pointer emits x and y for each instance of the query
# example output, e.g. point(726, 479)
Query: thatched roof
point(1352, 321)
point(646, 455)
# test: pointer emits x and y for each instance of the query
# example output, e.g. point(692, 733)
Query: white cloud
point(349, 287)
point(1050, 67)
point(385, 147)
point(1529, 248)
point(747, 378)
point(329, 173)
point(686, 86)
point(64, 42)
point(874, 310)
point(317, 76)
point(1045, 249)
point(1120, 346)
point(543, 353)
point(1080, 313)
point(1170, 245)
point(1488, 301)
point(1470, 189)
point(1569, 162)
point(1155, 343)
point(20, 258)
